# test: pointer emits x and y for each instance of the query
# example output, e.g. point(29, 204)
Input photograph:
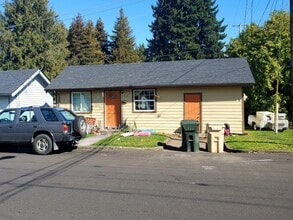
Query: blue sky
point(140, 14)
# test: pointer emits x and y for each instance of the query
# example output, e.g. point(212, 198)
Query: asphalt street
point(145, 184)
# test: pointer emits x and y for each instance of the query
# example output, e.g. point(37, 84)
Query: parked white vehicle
point(265, 119)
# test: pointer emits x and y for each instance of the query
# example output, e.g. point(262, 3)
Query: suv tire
point(80, 126)
point(43, 144)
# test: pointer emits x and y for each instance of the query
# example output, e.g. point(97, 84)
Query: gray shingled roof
point(11, 80)
point(210, 72)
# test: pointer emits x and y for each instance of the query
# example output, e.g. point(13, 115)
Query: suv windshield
point(7, 116)
point(67, 115)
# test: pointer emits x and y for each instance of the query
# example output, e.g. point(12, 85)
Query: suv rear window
point(67, 115)
point(49, 114)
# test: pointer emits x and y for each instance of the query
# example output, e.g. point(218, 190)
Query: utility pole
point(291, 69)
point(240, 26)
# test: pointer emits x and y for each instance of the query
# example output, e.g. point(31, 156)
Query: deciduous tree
point(267, 49)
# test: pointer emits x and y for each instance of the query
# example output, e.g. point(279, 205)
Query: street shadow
point(172, 148)
point(169, 147)
point(230, 150)
point(28, 149)
point(7, 157)
point(177, 146)
point(17, 148)
point(63, 149)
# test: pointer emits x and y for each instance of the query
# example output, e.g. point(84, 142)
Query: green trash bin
point(190, 142)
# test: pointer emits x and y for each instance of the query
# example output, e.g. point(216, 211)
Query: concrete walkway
point(87, 142)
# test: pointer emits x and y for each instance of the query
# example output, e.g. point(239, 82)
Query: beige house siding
point(223, 105)
point(64, 100)
point(98, 107)
point(169, 111)
point(219, 105)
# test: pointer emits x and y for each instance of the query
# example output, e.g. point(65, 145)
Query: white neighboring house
point(21, 88)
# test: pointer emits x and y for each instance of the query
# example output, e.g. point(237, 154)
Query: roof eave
point(154, 85)
point(34, 74)
point(5, 94)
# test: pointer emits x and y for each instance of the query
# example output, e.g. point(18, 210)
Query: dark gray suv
point(46, 128)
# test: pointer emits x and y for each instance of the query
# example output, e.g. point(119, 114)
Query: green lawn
point(262, 141)
point(252, 141)
point(133, 141)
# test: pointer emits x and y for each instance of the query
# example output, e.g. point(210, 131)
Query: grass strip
point(262, 141)
point(133, 141)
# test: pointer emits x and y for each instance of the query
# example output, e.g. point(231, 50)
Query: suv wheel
point(43, 144)
point(80, 126)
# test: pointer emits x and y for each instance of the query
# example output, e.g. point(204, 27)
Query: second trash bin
point(190, 142)
point(215, 137)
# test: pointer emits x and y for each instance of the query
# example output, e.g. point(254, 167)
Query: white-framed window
point(81, 101)
point(144, 100)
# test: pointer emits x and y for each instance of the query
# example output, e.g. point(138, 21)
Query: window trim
point(79, 92)
point(144, 111)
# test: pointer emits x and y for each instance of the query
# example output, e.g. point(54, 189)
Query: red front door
point(192, 106)
point(113, 109)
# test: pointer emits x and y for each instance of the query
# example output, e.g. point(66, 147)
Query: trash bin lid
point(189, 125)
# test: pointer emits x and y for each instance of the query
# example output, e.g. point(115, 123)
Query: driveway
point(145, 184)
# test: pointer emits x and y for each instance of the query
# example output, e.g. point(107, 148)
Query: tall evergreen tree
point(186, 29)
point(102, 37)
point(92, 47)
point(83, 45)
point(76, 39)
point(32, 37)
point(141, 51)
point(123, 43)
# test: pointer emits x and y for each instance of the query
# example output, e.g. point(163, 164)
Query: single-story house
point(19, 88)
point(157, 95)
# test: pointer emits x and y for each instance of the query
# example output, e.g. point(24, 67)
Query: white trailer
point(265, 119)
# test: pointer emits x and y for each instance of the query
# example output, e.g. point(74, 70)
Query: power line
point(274, 5)
point(93, 7)
point(245, 12)
point(251, 16)
point(264, 12)
point(113, 8)
point(97, 12)
point(237, 9)
point(101, 6)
